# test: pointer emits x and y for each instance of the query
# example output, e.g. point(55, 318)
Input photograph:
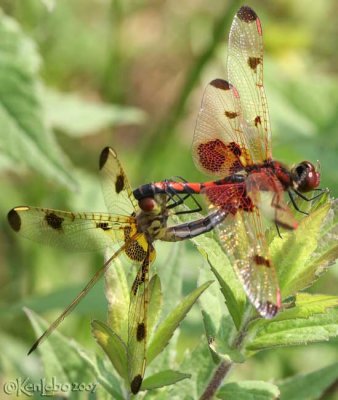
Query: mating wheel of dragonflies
point(232, 141)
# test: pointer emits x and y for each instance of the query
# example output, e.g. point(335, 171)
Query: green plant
point(233, 334)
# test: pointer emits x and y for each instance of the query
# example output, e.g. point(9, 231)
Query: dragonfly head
point(305, 176)
point(147, 204)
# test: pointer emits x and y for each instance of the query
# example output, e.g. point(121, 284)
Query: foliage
point(73, 75)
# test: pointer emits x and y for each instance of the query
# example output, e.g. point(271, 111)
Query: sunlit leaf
point(300, 331)
point(163, 378)
point(112, 345)
point(166, 329)
point(230, 286)
point(248, 390)
point(293, 254)
point(117, 295)
point(155, 302)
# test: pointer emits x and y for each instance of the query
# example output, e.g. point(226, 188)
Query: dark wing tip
point(14, 220)
point(221, 84)
point(246, 14)
point(268, 310)
point(104, 156)
point(136, 384)
point(35, 345)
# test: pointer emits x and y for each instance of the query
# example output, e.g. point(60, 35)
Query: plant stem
point(224, 366)
point(217, 379)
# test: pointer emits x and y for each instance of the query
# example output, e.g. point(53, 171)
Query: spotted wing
point(72, 231)
point(242, 237)
point(219, 144)
point(137, 323)
point(115, 185)
point(267, 193)
point(245, 72)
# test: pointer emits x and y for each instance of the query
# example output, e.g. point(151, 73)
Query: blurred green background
point(131, 74)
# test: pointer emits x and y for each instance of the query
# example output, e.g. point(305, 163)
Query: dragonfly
point(232, 141)
point(130, 227)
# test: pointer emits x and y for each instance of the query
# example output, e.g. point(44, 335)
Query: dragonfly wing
point(84, 231)
point(242, 237)
point(267, 194)
point(245, 72)
point(219, 144)
point(116, 189)
point(137, 323)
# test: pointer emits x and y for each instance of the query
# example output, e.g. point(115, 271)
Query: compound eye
point(306, 176)
point(147, 204)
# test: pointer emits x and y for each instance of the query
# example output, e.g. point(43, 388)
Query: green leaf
point(293, 254)
point(112, 345)
point(308, 304)
point(231, 288)
point(155, 302)
point(60, 355)
point(166, 329)
point(163, 378)
point(66, 361)
point(311, 386)
point(80, 117)
point(248, 390)
point(117, 295)
point(25, 137)
point(275, 333)
point(200, 365)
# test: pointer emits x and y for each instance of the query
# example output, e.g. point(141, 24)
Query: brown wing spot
point(103, 157)
point(258, 120)
point(230, 198)
point(246, 14)
point(54, 221)
point(14, 220)
point(270, 309)
point(141, 332)
point(235, 149)
point(253, 62)
point(119, 184)
point(259, 260)
point(215, 155)
point(136, 384)
point(221, 84)
point(231, 114)
point(133, 249)
point(103, 225)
